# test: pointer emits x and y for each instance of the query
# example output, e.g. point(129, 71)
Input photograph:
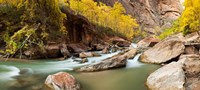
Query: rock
point(84, 60)
point(52, 50)
point(191, 65)
point(99, 47)
point(85, 54)
point(62, 81)
point(147, 42)
point(96, 54)
point(77, 48)
point(191, 50)
point(192, 70)
point(168, 77)
point(113, 62)
point(105, 50)
point(165, 50)
point(120, 42)
point(65, 53)
point(192, 38)
point(26, 71)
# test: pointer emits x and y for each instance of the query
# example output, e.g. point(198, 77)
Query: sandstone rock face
point(62, 81)
point(152, 15)
point(165, 50)
point(168, 77)
point(113, 62)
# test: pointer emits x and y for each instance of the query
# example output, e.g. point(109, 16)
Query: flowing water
point(30, 75)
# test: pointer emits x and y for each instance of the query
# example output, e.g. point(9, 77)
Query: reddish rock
point(62, 81)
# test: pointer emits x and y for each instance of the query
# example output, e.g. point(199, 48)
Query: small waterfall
point(7, 72)
point(134, 62)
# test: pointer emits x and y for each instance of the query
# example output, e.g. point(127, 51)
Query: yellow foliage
point(106, 16)
point(190, 19)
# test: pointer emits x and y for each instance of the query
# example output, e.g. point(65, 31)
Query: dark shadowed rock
point(113, 62)
point(62, 81)
point(168, 77)
point(165, 50)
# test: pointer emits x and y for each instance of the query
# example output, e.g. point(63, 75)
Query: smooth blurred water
point(34, 73)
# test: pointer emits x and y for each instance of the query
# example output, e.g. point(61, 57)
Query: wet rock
point(62, 81)
point(168, 77)
point(85, 54)
point(165, 50)
point(88, 54)
point(147, 42)
point(26, 71)
point(113, 62)
point(84, 60)
point(105, 50)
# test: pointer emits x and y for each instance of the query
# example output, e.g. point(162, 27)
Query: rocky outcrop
point(152, 15)
point(62, 81)
point(113, 62)
point(165, 50)
point(168, 77)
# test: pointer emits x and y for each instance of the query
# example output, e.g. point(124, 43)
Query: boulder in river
point(62, 81)
point(168, 77)
point(88, 54)
point(165, 50)
point(147, 42)
point(113, 62)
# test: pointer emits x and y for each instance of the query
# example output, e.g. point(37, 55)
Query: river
point(33, 74)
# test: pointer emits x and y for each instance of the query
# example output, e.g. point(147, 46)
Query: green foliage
point(170, 31)
point(106, 16)
point(190, 19)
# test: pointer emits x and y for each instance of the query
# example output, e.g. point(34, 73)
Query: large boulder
point(113, 62)
point(62, 81)
point(88, 54)
point(165, 50)
point(168, 77)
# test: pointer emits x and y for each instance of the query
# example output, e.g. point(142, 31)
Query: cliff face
point(152, 15)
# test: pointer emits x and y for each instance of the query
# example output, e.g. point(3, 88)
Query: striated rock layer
point(152, 15)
